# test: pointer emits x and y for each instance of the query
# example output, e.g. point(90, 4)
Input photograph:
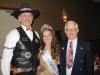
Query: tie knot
point(71, 44)
point(28, 29)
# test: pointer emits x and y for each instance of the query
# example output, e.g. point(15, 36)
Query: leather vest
point(25, 54)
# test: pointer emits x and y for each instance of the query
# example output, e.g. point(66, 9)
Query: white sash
point(50, 62)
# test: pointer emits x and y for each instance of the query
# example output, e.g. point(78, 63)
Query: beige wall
point(0, 67)
point(7, 23)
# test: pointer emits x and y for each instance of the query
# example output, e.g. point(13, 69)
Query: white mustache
point(27, 20)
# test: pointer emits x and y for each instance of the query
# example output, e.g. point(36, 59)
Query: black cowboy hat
point(25, 8)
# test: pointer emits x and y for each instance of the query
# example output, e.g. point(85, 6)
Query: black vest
point(25, 54)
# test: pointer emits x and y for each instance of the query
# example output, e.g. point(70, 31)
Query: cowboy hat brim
point(16, 13)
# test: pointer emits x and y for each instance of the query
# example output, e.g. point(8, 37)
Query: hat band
point(24, 9)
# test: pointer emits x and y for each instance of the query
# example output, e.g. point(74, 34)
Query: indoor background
point(85, 12)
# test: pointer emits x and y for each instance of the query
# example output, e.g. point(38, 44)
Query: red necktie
point(69, 59)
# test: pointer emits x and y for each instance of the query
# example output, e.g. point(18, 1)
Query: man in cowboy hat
point(21, 45)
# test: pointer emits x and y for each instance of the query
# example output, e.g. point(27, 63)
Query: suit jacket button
point(81, 60)
point(61, 67)
point(62, 48)
point(80, 69)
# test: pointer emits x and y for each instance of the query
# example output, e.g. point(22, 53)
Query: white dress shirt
point(68, 71)
point(11, 39)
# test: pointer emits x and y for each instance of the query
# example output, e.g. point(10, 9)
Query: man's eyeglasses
point(70, 29)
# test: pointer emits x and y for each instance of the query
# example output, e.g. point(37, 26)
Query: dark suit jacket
point(83, 61)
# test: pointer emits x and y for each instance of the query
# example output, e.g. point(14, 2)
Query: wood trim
point(0, 57)
point(8, 8)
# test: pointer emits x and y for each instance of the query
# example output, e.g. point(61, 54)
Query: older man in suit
point(76, 55)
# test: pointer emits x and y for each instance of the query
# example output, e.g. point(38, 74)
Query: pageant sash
point(50, 62)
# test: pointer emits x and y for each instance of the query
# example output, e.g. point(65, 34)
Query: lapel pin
point(36, 40)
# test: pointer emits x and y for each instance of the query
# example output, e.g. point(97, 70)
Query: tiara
point(45, 26)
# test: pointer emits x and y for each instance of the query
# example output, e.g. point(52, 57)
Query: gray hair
point(71, 22)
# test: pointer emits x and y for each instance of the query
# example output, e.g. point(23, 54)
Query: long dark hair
point(55, 47)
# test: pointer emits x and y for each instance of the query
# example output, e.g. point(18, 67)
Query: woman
point(49, 52)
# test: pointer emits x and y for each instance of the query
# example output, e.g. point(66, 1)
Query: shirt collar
point(75, 40)
point(24, 27)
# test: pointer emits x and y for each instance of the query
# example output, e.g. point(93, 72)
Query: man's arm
point(9, 46)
